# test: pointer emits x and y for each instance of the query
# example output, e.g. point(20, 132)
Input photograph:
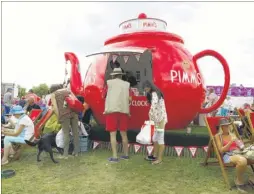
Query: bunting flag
point(128, 145)
point(205, 148)
point(193, 150)
point(149, 149)
point(136, 147)
point(137, 56)
point(125, 58)
point(95, 144)
point(114, 57)
point(178, 150)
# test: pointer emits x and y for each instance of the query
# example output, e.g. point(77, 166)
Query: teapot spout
point(75, 77)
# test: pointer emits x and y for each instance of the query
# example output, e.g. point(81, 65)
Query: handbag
point(248, 152)
point(145, 136)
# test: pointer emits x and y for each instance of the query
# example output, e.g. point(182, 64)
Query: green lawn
point(92, 174)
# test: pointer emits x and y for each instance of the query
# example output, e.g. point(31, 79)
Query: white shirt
point(227, 104)
point(212, 98)
point(28, 131)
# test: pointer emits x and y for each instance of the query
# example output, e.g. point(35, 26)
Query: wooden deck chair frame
point(250, 117)
point(241, 114)
point(37, 116)
point(213, 145)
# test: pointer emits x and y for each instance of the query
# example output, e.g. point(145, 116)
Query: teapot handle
point(224, 64)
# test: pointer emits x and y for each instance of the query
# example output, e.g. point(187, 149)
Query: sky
point(35, 35)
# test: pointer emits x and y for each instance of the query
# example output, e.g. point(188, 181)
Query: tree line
point(40, 90)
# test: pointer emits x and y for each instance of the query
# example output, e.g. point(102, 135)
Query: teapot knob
point(142, 16)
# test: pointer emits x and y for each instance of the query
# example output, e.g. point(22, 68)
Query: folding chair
point(250, 117)
point(246, 129)
point(212, 123)
point(35, 114)
point(39, 126)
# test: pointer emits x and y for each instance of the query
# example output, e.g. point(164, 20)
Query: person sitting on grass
point(24, 130)
point(227, 143)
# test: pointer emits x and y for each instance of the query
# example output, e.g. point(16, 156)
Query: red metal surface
point(175, 73)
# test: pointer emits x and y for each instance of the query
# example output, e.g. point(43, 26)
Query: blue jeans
point(7, 109)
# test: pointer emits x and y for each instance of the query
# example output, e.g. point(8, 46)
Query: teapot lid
point(143, 23)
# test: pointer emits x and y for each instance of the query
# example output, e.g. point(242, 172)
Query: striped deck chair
point(246, 130)
point(41, 123)
point(35, 114)
point(212, 123)
point(250, 117)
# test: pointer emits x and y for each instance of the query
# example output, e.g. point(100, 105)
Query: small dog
point(46, 143)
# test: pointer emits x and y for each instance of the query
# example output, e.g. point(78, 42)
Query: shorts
point(226, 157)
point(116, 121)
point(158, 137)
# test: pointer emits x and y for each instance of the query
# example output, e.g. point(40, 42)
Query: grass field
point(92, 174)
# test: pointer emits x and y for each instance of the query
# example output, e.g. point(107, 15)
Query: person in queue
point(227, 143)
point(158, 115)
point(66, 117)
point(24, 131)
point(8, 99)
point(117, 111)
point(32, 94)
point(212, 98)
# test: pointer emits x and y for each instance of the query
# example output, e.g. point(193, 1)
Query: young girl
point(158, 115)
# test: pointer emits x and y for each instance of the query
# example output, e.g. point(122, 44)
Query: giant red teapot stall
point(146, 50)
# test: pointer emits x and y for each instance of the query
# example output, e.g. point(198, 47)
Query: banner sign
point(234, 91)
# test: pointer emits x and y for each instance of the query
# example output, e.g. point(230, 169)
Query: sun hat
point(17, 110)
point(117, 71)
point(224, 122)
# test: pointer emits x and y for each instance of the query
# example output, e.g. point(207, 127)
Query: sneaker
point(150, 158)
point(113, 160)
point(125, 157)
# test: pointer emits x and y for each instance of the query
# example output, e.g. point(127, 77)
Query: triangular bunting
point(136, 147)
point(114, 57)
point(193, 151)
point(95, 144)
point(137, 56)
point(205, 148)
point(125, 58)
point(178, 150)
point(149, 149)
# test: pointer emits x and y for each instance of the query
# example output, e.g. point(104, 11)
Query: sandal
point(156, 162)
point(241, 187)
point(251, 182)
point(5, 162)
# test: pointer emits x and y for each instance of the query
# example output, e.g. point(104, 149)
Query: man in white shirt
point(212, 99)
